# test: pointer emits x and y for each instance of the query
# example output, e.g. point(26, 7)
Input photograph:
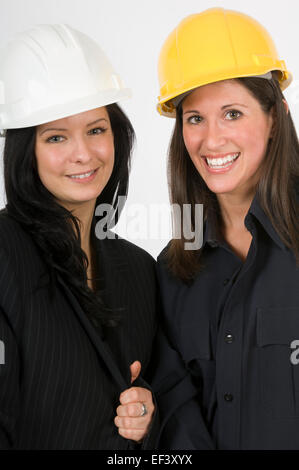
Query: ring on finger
point(143, 409)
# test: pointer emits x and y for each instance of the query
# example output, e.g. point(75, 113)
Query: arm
point(181, 422)
point(9, 384)
point(10, 305)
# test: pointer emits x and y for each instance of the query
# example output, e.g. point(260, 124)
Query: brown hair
point(276, 188)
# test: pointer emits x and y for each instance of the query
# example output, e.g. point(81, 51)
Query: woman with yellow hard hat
point(77, 304)
point(229, 377)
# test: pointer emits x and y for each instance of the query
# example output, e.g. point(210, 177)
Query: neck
point(84, 212)
point(234, 208)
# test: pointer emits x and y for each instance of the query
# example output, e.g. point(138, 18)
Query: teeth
point(222, 162)
point(84, 175)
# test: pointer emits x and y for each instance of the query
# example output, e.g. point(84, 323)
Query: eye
point(55, 139)
point(233, 114)
point(195, 119)
point(97, 130)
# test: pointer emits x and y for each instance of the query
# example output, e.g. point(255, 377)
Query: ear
point(286, 106)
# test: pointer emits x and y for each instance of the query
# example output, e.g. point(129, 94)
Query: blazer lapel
point(117, 287)
point(101, 347)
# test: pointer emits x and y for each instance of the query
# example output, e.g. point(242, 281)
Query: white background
point(131, 33)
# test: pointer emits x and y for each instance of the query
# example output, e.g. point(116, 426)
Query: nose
point(81, 152)
point(214, 137)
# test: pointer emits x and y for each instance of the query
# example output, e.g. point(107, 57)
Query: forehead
point(222, 92)
point(77, 120)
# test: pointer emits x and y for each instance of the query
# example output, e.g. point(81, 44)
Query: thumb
point(135, 369)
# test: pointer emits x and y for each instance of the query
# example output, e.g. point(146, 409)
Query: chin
point(221, 187)
point(77, 201)
point(85, 196)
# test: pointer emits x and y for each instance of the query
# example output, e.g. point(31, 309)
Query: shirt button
point(228, 397)
point(225, 282)
point(229, 339)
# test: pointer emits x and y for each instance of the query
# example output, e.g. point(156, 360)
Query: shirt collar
point(256, 210)
point(211, 233)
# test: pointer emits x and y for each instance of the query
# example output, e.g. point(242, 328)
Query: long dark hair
point(54, 229)
point(276, 188)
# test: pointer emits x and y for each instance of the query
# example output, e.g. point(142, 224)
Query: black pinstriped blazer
point(60, 384)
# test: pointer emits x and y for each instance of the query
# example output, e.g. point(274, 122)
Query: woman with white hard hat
point(77, 304)
point(231, 304)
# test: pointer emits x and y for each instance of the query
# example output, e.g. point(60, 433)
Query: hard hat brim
point(167, 108)
point(62, 110)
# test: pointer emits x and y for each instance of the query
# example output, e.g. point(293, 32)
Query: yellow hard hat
point(215, 45)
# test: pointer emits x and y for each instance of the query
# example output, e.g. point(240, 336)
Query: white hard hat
point(51, 72)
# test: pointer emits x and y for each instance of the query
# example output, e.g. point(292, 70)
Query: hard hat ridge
point(211, 46)
point(54, 71)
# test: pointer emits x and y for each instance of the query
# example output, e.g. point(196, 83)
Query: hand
point(129, 421)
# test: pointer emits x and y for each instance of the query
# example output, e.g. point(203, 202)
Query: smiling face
point(75, 157)
point(226, 133)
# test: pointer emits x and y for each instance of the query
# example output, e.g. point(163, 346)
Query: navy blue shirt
point(233, 328)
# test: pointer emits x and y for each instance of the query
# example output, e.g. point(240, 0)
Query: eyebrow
point(64, 130)
point(234, 104)
point(223, 107)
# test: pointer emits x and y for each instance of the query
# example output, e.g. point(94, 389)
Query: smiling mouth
point(221, 163)
point(82, 175)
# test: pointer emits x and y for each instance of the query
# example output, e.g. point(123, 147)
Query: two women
point(77, 314)
point(231, 309)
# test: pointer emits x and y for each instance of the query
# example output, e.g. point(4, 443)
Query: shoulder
point(162, 257)
point(17, 246)
point(133, 250)
point(116, 247)
point(163, 269)
point(20, 266)
point(12, 235)
point(170, 285)
point(7, 223)
point(126, 264)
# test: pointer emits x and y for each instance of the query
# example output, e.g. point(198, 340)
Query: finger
point(133, 409)
point(135, 369)
point(126, 422)
point(133, 434)
point(135, 394)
